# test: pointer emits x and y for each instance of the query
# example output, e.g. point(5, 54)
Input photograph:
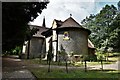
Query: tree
point(100, 25)
point(65, 58)
point(15, 19)
point(49, 58)
point(114, 39)
point(118, 6)
point(28, 37)
point(64, 55)
point(85, 58)
point(103, 21)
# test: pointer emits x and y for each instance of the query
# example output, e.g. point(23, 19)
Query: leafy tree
point(89, 23)
point(114, 39)
point(104, 27)
point(64, 55)
point(15, 19)
point(104, 20)
point(118, 6)
point(50, 55)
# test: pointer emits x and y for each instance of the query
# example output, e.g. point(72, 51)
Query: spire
point(44, 25)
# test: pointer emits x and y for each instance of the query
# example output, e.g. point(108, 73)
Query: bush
point(16, 51)
point(91, 58)
point(101, 56)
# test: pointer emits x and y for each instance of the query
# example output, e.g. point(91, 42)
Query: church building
point(68, 36)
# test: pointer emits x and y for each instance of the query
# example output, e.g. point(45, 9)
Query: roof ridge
point(70, 23)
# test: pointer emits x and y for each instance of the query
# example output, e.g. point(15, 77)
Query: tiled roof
point(90, 44)
point(70, 22)
point(41, 29)
point(59, 22)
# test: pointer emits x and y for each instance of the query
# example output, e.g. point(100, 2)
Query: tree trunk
point(59, 59)
point(85, 66)
point(40, 57)
point(66, 66)
point(101, 65)
point(28, 53)
point(49, 66)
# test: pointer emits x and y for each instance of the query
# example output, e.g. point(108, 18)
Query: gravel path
point(107, 66)
point(13, 68)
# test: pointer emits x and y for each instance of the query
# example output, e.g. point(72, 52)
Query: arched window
point(66, 36)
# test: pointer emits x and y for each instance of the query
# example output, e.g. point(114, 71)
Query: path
point(107, 66)
point(13, 68)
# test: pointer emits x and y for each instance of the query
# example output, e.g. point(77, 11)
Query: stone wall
point(36, 47)
point(78, 43)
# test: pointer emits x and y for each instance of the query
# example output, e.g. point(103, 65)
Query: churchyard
point(75, 70)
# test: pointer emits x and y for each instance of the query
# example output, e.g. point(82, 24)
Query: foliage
point(63, 53)
point(30, 33)
point(118, 5)
point(100, 55)
point(15, 18)
point(105, 28)
point(17, 50)
point(92, 57)
point(65, 58)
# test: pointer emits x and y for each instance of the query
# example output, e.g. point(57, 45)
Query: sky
point(61, 10)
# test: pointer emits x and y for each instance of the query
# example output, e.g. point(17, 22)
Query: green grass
point(43, 62)
point(79, 64)
point(113, 58)
point(74, 73)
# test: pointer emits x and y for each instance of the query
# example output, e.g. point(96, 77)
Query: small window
point(66, 36)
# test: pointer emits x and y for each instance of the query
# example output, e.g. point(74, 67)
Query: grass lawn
point(111, 60)
point(74, 73)
point(37, 61)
